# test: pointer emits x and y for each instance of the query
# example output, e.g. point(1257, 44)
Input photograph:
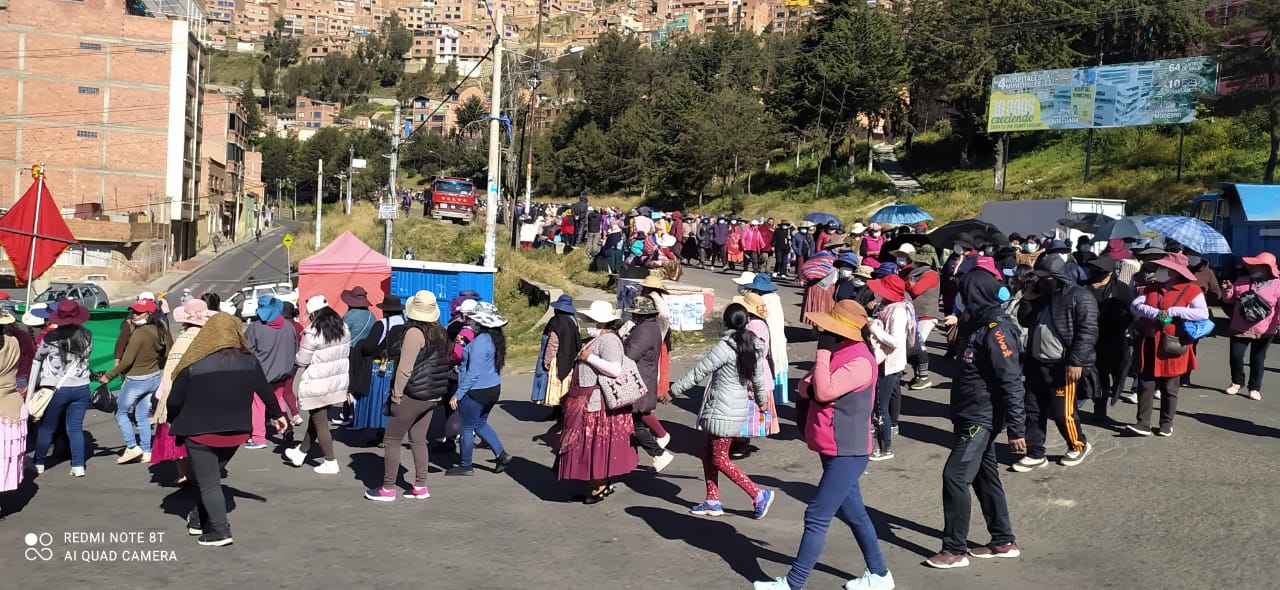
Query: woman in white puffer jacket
point(321, 380)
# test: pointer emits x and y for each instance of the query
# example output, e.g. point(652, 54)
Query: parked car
point(244, 303)
point(86, 294)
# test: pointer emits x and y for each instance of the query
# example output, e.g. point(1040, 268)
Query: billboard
point(1120, 95)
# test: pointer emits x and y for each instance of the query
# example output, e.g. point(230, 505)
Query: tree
point(416, 84)
point(253, 116)
point(1251, 56)
point(281, 49)
point(450, 76)
point(471, 110)
point(267, 71)
point(612, 73)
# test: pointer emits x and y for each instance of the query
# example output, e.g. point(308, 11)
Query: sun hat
point(745, 278)
point(863, 272)
point(355, 297)
point(146, 295)
point(857, 228)
point(1058, 246)
point(422, 307)
point(269, 308)
point(875, 227)
point(654, 282)
point(485, 314)
point(886, 269)
point(755, 222)
point(1266, 259)
point(601, 312)
point(34, 319)
point(143, 306)
point(846, 318)
point(1176, 263)
point(196, 312)
point(754, 303)
point(69, 312)
point(848, 258)
point(1103, 263)
point(656, 215)
point(563, 303)
point(762, 284)
point(905, 250)
point(890, 288)
point(391, 304)
point(455, 304)
point(666, 240)
point(6, 318)
point(317, 303)
point(643, 305)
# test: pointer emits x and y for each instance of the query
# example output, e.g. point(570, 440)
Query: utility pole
point(391, 182)
point(495, 146)
point(294, 185)
point(319, 192)
point(350, 172)
point(533, 109)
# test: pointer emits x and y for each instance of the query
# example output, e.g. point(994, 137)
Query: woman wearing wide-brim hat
point(595, 442)
point(63, 353)
point(479, 387)
point(360, 320)
point(654, 288)
point(1256, 332)
point(643, 344)
point(835, 411)
point(561, 342)
point(1171, 294)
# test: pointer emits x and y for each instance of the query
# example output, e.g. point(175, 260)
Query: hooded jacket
point(725, 403)
point(1072, 313)
point(989, 390)
point(720, 233)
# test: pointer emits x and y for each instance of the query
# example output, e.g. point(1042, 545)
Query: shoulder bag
point(1253, 308)
point(1172, 344)
point(625, 389)
point(38, 400)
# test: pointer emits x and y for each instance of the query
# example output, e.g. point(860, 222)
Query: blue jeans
point(135, 398)
point(883, 417)
point(71, 402)
point(475, 421)
point(838, 491)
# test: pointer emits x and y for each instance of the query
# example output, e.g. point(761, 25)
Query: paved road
point(249, 261)
point(1198, 510)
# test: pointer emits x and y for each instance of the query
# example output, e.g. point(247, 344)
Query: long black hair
point(499, 345)
point(735, 319)
point(162, 328)
point(437, 339)
point(328, 324)
point(71, 340)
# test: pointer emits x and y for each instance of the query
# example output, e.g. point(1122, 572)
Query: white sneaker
point(39, 468)
point(662, 461)
point(1027, 464)
point(327, 468)
point(146, 456)
point(1157, 394)
point(1233, 390)
point(1073, 458)
point(870, 581)
point(664, 440)
point(77, 472)
point(295, 456)
point(1129, 397)
point(775, 584)
point(129, 455)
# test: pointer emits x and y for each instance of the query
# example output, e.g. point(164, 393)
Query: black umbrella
point(1085, 222)
point(964, 230)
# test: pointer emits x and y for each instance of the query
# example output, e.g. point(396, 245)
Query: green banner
point(1120, 95)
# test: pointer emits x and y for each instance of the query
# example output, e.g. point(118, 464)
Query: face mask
point(846, 273)
point(959, 250)
point(1003, 294)
point(902, 261)
point(722, 222)
point(1029, 247)
point(742, 290)
point(875, 233)
point(593, 331)
point(141, 322)
point(1256, 274)
point(1064, 256)
point(1161, 275)
point(859, 283)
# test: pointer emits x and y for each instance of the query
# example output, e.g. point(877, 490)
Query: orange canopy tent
point(344, 264)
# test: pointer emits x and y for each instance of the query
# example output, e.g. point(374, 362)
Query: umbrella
point(946, 236)
point(1125, 227)
point(1190, 232)
point(823, 218)
point(1085, 222)
point(900, 215)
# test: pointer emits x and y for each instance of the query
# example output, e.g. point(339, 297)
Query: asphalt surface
point(1198, 510)
point(247, 262)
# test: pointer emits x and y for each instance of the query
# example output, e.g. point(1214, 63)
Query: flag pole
point(35, 231)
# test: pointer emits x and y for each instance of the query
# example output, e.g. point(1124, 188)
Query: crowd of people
point(1036, 325)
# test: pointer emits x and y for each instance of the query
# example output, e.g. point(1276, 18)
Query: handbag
point(1253, 307)
point(1172, 344)
point(758, 420)
point(1198, 329)
point(625, 389)
point(104, 400)
point(38, 400)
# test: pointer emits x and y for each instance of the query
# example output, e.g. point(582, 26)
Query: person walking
point(421, 382)
point(802, 246)
point(643, 345)
point(1169, 299)
point(1061, 318)
point(321, 381)
point(753, 245)
point(924, 286)
point(13, 412)
point(1254, 321)
point(273, 343)
point(561, 342)
point(61, 363)
point(209, 412)
point(376, 383)
point(763, 419)
point(892, 330)
point(192, 316)
point(479, 387)
point(739, 372)
point(835, 410)
point(720, 237)
point(781, 244)
point(986, 397)
point(1115, 332)
point(148, 346)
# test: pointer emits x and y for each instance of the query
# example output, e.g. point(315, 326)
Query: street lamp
point(535, 80)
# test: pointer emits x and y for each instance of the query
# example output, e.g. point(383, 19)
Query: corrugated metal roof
point(1260, 202)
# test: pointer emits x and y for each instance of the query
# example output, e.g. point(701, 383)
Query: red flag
point(19, 232)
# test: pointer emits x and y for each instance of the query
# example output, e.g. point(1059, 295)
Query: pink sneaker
point(418, 493)
point(380, 494)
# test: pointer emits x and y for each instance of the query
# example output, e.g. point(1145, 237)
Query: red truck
point(453, 199)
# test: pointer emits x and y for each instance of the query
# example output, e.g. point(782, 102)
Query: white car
point(244, 303)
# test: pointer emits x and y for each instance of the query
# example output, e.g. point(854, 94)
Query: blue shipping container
point(445, 279)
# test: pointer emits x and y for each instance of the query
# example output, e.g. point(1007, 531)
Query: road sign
point(358, 163)
point(388, 210)
point(287, 241)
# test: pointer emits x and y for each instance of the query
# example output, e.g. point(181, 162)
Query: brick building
point(223, 150)
point(316, 114)
point(107, 100)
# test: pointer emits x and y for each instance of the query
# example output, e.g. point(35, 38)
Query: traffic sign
point(388, 210)
point(287, 241)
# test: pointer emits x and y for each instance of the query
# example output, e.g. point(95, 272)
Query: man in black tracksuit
point(1061, 318)
point(986, 397)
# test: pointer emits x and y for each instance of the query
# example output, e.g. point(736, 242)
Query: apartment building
point(106, 97)
point(315, 114)
point(255, 19)
point(220, 14)
point(224, 145)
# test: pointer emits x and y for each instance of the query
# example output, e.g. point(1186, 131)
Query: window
point(315, 114)
point(302, 104)
point(91, 46)
point(151, 51)
point(87, 134)
point(87, 90)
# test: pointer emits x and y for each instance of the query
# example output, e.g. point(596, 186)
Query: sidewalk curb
point(184, 274)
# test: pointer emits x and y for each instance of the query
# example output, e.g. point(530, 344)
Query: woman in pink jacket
point(1252, 325)
point(753, 244)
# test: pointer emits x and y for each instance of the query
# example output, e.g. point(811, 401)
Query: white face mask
point(875, 233)
point(902, 261)
point(959, 250)
point(141, 322)
point(1064, 256)
point(859, 283)
point(846, 273)
point(1161, 275)
point(1029, 247)
point(593, 331)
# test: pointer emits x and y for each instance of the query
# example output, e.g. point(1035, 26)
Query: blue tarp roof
point(1260, 202)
